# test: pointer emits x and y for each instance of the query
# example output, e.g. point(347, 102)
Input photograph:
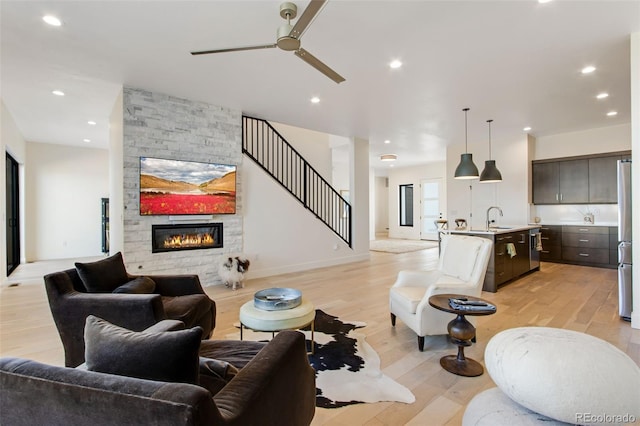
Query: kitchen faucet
point(488, 211)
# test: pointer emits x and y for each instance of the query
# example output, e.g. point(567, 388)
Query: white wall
point(513, 160)
point(340, 163)
point(360, 195)
point(593, 141)
point(373, 204)
point(116, 178)
point(11, 141)
point(381, 206)
point(313, 146)
point(65, 185)
point(405, 176)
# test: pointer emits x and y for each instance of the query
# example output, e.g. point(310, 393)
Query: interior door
point(12, 215)
point(431, 208)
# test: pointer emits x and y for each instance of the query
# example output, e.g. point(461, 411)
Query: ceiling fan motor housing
point(285, 41)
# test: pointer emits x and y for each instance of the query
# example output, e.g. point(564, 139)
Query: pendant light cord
point(489, 121)
point(466, 147)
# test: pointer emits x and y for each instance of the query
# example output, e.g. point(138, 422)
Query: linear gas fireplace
point(186, 237)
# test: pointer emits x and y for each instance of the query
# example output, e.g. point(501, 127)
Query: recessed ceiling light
point(387, 141)
point(52, 20)
point(388, 157)
point(526, 129)
point(544, 1)
point(612, 113)
point(588, 69)
point(602, 95)
point(315, 100)
point(58, 92)
point(395, 64)
point(86, 140)
point(91, 123)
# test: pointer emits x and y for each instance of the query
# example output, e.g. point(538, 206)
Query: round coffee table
point(461, 332)
point(273, 321)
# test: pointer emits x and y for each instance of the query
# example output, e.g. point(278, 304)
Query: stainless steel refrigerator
point(624, 239)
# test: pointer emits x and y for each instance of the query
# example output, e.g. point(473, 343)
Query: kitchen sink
point(500, 227)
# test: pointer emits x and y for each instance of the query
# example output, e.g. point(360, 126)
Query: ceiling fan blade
point(307, 16)
point(234, 49)
point(319, 65)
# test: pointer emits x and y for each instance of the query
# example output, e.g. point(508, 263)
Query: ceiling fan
point(289, 37)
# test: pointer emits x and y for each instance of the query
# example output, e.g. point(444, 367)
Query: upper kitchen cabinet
point(574, 181)
point(588, 179)
point(561, 182)
point(603, 180)
point(546, 185)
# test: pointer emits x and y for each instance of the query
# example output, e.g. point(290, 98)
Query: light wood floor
point(565, 296)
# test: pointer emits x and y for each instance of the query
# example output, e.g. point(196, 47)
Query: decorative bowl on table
point(277, 299)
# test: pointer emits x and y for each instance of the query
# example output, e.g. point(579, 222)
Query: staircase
point(264, 145)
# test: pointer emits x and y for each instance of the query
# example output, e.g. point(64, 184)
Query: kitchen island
point(514, 252)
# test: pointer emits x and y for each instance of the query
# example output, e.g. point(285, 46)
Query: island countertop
point(502, 229)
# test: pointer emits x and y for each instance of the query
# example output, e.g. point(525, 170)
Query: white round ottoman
point(565, 375)
point(286, 319)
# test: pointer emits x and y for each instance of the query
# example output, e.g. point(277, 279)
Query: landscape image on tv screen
point(176, 187)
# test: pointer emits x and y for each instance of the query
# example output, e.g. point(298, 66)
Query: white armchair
point(461, 270)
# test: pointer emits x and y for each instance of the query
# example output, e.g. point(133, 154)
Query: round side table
point(273, 321)
point(461, 332)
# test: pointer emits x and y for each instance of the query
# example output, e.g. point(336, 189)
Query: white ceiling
point(516, 62)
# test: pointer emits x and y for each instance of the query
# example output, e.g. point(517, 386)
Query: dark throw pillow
point(103, 276)
point(170, 356)
point(215, 374)
point(140, 285)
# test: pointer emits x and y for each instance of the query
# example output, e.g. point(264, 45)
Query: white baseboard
point(286, 269)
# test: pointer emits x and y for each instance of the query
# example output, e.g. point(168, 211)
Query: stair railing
point(266, 146)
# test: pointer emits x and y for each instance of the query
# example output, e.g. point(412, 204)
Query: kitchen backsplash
point(605, 214)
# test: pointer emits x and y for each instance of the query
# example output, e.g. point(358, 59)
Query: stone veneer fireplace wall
point(162, 126)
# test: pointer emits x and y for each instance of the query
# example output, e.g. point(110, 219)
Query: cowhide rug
point(347, 367)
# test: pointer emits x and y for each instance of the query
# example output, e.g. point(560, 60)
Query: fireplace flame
point(188, 240)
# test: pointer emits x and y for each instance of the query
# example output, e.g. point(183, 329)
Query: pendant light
point(490, 173)
point(466, 169)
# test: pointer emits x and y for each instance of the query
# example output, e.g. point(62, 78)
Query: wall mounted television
point(177, 187)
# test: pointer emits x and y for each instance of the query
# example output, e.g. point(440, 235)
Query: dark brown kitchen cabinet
point(587, 245)
point(561, 182)
point(580, 245)
point(551, 243)
point(512, 264)
point(573, 176)
point(503, 265)
point(603, 180)
point(521, 260)
point(545, 183)
point(588, 179)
